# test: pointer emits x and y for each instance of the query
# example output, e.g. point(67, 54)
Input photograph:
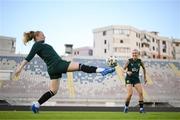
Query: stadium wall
point(90, 89)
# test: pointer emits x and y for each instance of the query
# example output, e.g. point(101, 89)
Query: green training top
point(134, 67)
point(46, 52)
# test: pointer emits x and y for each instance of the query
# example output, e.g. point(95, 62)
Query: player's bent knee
point(54, 92)
point(140, 94)
point(129, 95)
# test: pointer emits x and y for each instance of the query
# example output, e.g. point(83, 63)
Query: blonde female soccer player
point(132, 68)
point(55, 65)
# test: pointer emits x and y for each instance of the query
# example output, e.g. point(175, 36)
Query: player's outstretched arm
point(20, 67)
point(125, 68)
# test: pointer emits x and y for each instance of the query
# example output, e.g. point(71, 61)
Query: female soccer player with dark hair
point(132, 68)
point(55, 65)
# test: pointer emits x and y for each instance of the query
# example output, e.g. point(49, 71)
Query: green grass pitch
point(28, 115)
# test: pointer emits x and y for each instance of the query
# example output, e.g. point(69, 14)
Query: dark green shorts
point(55, 72)
point(132, 81)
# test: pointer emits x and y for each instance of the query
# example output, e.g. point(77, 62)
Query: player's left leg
point(73, 66)
point(139, 89)
point(53, 88)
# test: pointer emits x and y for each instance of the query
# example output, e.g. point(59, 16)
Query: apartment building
point(120, 40)
point(176, 49)
point(7, 45)
point(83, 51)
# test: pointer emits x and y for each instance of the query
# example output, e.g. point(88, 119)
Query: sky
point(72, 21)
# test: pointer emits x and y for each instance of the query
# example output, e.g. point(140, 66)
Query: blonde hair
point(136, 50)
point(28, 36)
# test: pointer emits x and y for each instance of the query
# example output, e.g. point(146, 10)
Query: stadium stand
point(81, 89)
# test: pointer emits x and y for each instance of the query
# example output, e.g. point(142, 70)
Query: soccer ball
point(111, 61)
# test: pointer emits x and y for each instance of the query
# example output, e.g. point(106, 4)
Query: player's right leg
point(138, 88)
point(54, 86)
point(128, 98)
point(89, 69)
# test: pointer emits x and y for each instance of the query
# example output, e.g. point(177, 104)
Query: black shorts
point(132, 81)
point(55, 72)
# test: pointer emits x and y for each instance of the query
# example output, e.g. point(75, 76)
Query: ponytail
point(28, 36)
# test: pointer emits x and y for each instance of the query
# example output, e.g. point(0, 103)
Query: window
point(121, 32)
point(164, 57)
point(163, 42)
point(105, 42)
point(105, 50)
point(164, 50)
point(104, 33)
point(136, 43)
point(158, 41)
point(177, 44)
point(153, 56)
point(142, 45)
point(153, 48)
point(125, 32)
point(13, 45)
point(137, 35)
point(153, 40)
point(121, 41)
point(121, 49)
point(90, 52)
point(116, 32)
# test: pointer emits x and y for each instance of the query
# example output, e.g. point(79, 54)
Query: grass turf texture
point(22, 115)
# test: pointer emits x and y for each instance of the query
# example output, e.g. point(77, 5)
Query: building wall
point(83, 51)
point(176, 46)
point(7, 45)
point(112, 41)
point(120, 40)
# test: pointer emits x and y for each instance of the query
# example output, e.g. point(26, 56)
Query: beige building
point(83, 51)
point(120, 40)
point(176, 46)
point(7, 45)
